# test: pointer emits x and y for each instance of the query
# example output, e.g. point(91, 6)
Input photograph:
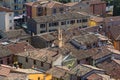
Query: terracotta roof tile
point(46, 3)
point(4, 70)
point(115, 32)
point(45, 55)
point(94, 77)
point(3, 9)
point(71, 4)
point(58, 72)
point(19, 47)
point(83, 69)
point(111, 67)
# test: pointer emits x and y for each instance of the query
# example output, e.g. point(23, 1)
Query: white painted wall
point(5, 22)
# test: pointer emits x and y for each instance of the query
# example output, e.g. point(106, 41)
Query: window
point(10, 21)
point(40, 10)
point(54, 11)
point(72, 21)
point(42, 64)
point(10, 14)
point(26, 59)
point(1, 61)
point(38, 78)
point(63, 23)
point(53, 24)
point(34, 62)
point(42, 25)
point(52, 30)
point(84, 26)
point(79, 21)
point(10, 28)
point(61, 10)
point(68, 22)
point(84, 20)
point(42, 31)
point(8, 61)
point(87, 2)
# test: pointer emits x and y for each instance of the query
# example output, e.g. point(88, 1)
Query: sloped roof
point(71, 4)
point(83, 69)
point(58, 17)
point(4, 70)
point(44, 55)
point(3, 9)
point(19, 47)
point(4, 51)
point(58, 72)
point(111, 67)
point(46, 3)
point(16, 34)
point(115, 32)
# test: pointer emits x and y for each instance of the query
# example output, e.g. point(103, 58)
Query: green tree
point(116, 9)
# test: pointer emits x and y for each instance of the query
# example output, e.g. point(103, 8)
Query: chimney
point(60, 43)
point(25, 48)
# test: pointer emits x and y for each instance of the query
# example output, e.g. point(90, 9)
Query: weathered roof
point(97, 19)
point(111, 67)
point(86, 39)
point(19, 47)
point(58, 17)
point(27, 71)
point(4, 70)
point(115, 32)
point(3, 9)
point(83, 69)
point(44, 55)
point(46, 3)
point(94, 76)
point(47, 36)
point(16, 34)
point(58, 72)
point(4, 51)
point(112, 19)
point(70, 4)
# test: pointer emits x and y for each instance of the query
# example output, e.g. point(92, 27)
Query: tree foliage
point(116, 9)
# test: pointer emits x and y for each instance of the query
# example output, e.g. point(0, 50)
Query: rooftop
point(26, 71)
point(115, 32)
point(83, 69)
point(112, 67)
point(46, 3)
point(44, 55)
point(4, 70)
point(58, 72)
point(3, 9)
point(19, 47)
point(58, 17)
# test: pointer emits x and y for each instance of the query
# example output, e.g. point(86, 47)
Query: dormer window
point(54, 11)
point(61, 10)
point(87, 2)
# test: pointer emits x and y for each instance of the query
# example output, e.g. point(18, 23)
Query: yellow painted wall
point(41, 76)
point(92, 23)
point(116, 45)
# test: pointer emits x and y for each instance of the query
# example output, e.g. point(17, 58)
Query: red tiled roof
point(71, 3)
point(111, 67)
point(3, 9)
point(115, 32)
point(4, 70)
point(46, 3)
point(94, 77)
point(19, 47)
